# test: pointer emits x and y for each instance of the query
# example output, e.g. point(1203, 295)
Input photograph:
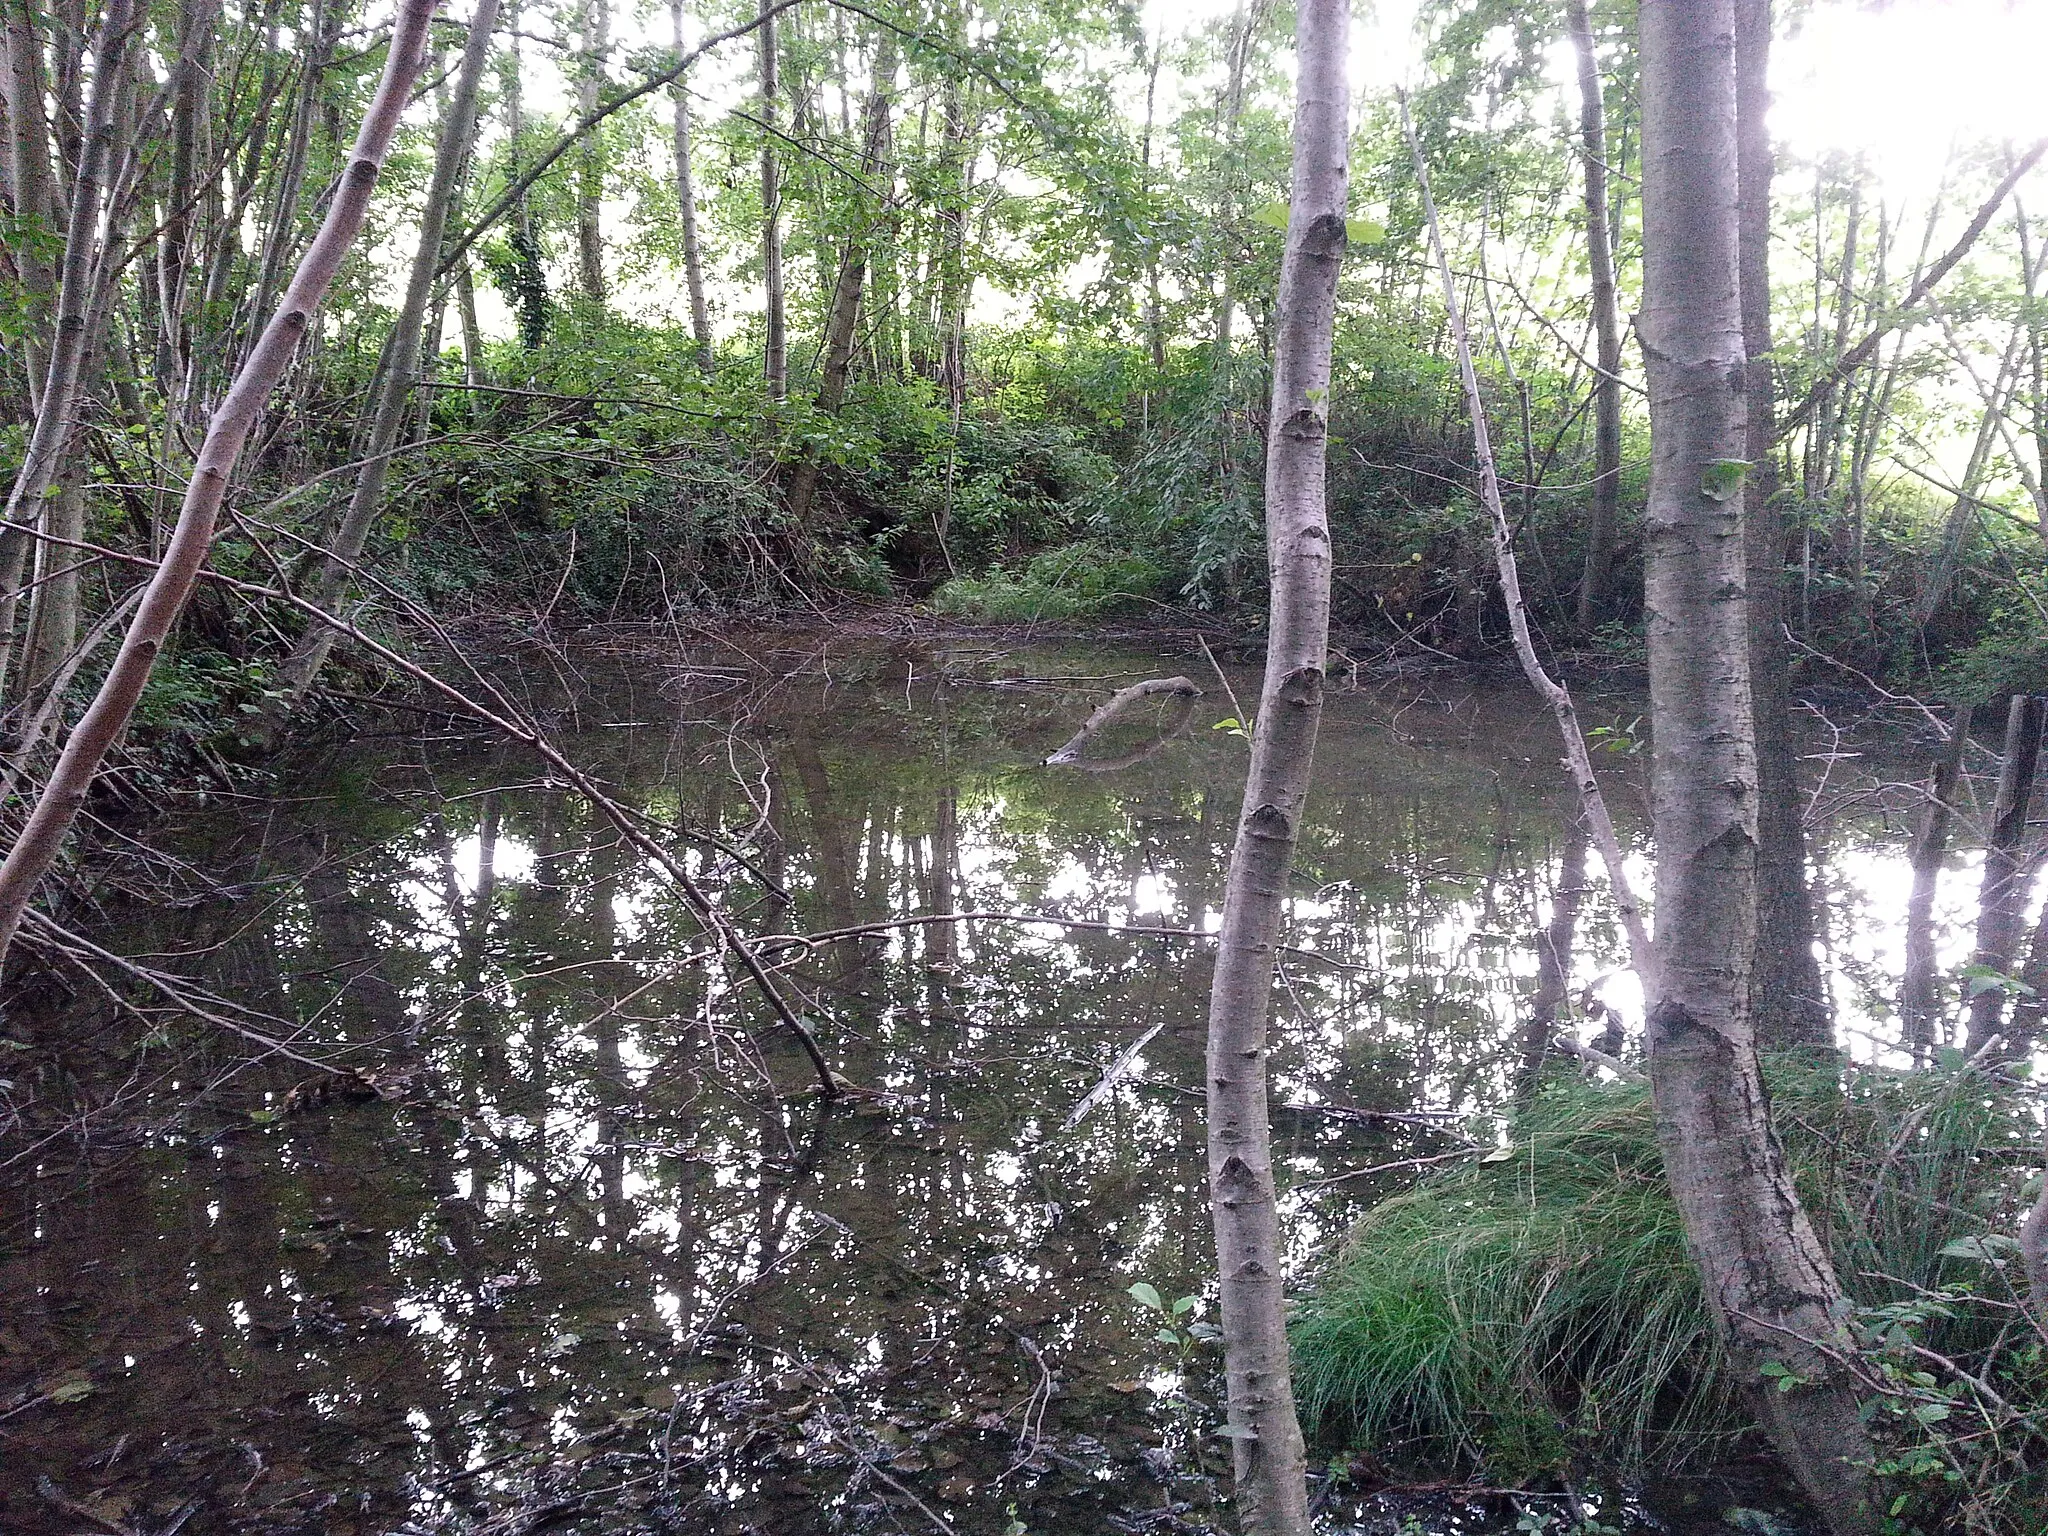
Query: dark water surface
point(581, 1250)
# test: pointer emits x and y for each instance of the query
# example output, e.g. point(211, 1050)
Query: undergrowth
point(1534, 1312)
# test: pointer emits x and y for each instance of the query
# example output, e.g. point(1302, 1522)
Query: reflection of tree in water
point(606, 1255)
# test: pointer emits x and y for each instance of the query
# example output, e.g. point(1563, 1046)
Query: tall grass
point(1538, 1310)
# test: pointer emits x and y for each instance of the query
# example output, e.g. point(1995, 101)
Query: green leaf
point(70, 1389)
point(1186, 1304)
point(1722, 478)
point(1167, 1336)
point(1146, 1295)
point(1499, 1155)
point(1985, 1250)
point(1273, 216)
point(1365, 231)
point(1931, 1413)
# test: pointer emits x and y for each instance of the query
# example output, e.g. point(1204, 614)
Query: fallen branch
point(1121, 700)
point(1578, 760)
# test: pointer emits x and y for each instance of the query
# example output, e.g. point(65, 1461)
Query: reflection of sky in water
point(623, 1172)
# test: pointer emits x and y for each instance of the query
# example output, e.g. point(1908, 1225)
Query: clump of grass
point(1524, 1314)
point(1507, 1312)
point(1074, 581)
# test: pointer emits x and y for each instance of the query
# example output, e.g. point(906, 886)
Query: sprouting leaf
point(69, 1389)
point(1365, 231)
point(1722, 478)
point(1499, 1155)
point(1986, 1249)
point(1146, 1295)
point(1186, 1304)
point(1931, 1413)
point(1167, 1336)
point(1273, 216)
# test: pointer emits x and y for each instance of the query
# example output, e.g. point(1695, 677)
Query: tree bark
point(1917, 1005)
point(393, 381)
point(1265, 1436)
point(1600, 528)
point(1763, 1271)
point(42, 836)
point(1788, 998)
point(775, 357)
point(80, 277)
point(33, 186)
point(686, 204)
point(596, 29)
point(2008, 870)
point(843, 317)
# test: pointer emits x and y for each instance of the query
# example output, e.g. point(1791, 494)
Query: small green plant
point(1073, 581)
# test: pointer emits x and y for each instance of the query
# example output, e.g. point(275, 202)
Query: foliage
point(1075, 581)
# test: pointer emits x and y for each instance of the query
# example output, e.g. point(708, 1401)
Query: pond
point(576, 1245)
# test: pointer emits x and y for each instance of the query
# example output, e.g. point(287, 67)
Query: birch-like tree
point(1265, 1436)
point(1764, 1273)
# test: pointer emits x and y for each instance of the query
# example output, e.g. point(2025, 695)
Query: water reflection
point(579, 1248)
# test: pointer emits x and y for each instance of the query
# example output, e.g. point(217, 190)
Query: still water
point(579, 1247)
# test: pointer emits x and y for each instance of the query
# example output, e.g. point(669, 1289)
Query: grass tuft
point(1526, 1315)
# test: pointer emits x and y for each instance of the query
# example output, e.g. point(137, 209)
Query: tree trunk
point(1600, 529)
point(844, 314)
point(1917, 1004)
point(78, 303)
point(1763, 1271)
point(2008, 871)
point(1265, 1436)
point(596, 29)
point(775, 359)
point(686, 204)
point(392, 384)
point(34, 193)
point(1788, 998)
point(42, 835)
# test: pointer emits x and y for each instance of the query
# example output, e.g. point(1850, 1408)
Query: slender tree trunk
point(1244, 27)
point(57, 807)
point(33, 185)
point(686, 204)
point(472, 332)
point(392, 384)
point(844, 315)
point(78, 302)
point(1763, 1271)
point(281, 236)
point(1918, 1010)
point(2008, 870)
point(596, 29)
point(1788, 998)
point(957, 158)
point(1265, 1437)
point(1600, 529)
point(775, 359)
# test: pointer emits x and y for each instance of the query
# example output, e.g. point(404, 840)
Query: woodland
point(410, 406)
